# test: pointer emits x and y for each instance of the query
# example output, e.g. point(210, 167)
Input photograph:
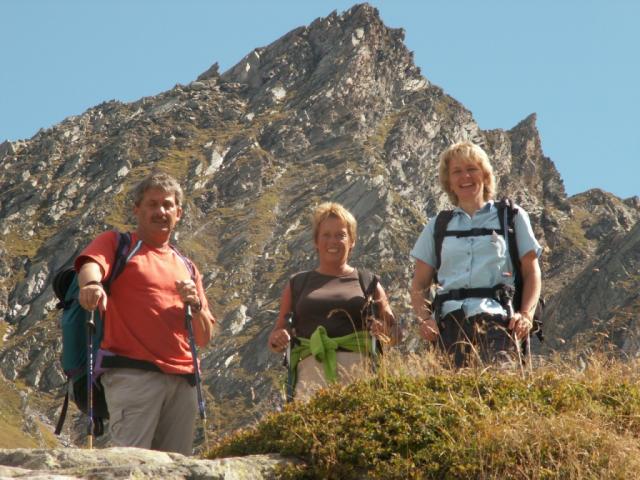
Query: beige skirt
point(351, 366)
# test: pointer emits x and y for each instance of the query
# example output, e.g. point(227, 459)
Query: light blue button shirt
point(475, 262)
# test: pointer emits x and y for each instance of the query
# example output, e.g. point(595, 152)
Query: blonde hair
point(466, 151)
point(332, 209)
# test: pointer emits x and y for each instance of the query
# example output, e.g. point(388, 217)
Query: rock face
point(336, 111)
point(114, 463)
point(603, 302)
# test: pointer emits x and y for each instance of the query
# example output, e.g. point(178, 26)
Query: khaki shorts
point(150, 410)
point(310, 378)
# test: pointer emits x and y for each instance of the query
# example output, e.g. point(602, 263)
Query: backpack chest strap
point(474, 232)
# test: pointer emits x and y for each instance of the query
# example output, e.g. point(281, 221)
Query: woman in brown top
point(330, 302)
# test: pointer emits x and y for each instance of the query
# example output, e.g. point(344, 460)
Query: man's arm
point(92, 293)
point(522, 320)
point(203, 322)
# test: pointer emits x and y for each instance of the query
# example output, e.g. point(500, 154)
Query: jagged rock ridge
point(335, 110)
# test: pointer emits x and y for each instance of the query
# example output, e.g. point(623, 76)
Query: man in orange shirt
point(149, 379)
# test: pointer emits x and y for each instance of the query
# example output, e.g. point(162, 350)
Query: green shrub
point(468, 424)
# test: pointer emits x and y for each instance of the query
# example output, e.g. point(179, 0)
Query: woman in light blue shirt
point(474, 318)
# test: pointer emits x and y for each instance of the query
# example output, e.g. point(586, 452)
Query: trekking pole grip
point(188, 316)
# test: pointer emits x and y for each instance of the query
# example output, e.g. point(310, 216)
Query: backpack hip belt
point(502, 293)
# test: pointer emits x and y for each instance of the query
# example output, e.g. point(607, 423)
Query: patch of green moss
point(574, 231)
point(3, 332)
point(444, 106)
point(18, 244)
point(12, 428)
point(378, 140)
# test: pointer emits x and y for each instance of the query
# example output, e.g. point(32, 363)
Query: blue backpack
point(75, 336)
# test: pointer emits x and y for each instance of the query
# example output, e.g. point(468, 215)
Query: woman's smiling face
point(466, 180)
point(333, 241)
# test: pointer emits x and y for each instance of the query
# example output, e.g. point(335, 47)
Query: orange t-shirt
point(145, 314)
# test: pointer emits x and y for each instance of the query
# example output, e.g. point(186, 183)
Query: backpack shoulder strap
point(124, 253)
point(187, 262)
point(506, 214)
point(297, 283)
point(442, 221)
point(368, 282)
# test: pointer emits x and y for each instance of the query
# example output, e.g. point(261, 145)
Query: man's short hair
point(161, 181)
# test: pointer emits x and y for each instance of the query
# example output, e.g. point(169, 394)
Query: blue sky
point(576, 63)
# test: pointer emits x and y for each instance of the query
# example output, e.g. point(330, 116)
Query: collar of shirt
point(486, 208)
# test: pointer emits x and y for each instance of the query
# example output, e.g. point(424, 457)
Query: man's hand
point(93, 295)
point(189, 293)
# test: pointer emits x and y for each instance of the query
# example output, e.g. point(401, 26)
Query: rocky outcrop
point(115, 463)
point(602, 304)
point(336, 110)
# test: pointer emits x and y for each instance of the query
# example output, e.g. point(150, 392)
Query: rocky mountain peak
point(352, 56)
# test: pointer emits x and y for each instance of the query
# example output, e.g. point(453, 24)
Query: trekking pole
point(374, 342)
point(290, 387)
point(370, 312)
point(91, 329)
point(188, 317)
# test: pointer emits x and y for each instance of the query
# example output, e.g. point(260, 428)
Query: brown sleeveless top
point(322, 294)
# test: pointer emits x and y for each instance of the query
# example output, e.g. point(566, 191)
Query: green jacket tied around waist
point(324, 349)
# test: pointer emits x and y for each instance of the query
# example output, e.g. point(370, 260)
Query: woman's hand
point(429, 329)
point(380, 330)
point(279, 339)
point(521, 324)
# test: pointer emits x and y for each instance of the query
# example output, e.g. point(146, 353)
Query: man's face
point(157, 212)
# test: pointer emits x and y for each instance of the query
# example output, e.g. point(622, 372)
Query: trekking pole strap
point(63, 412)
